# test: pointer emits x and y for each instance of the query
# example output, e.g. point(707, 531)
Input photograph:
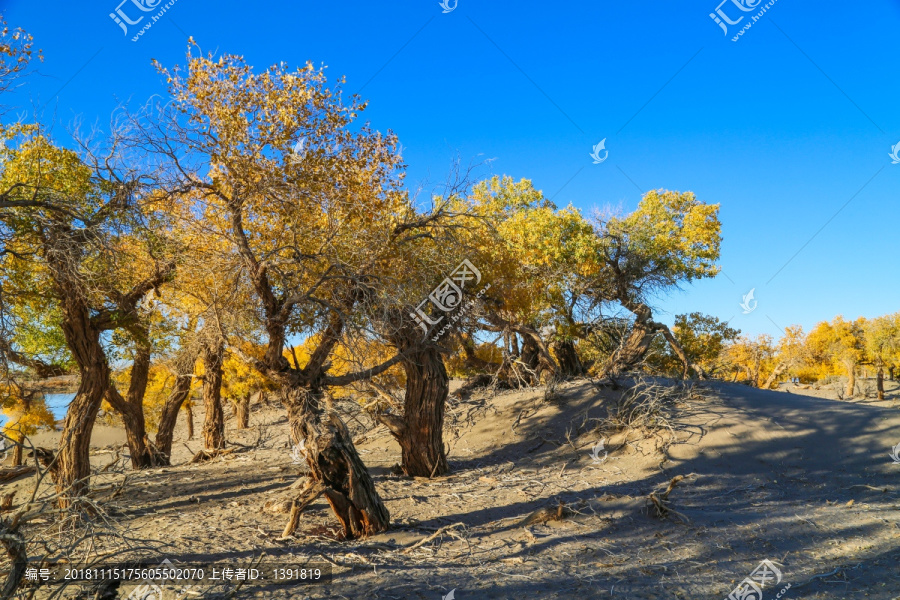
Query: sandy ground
point(803, 481)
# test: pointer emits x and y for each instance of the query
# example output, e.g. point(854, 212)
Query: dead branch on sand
point(10, 473)
point(207, 455)
point(659, 503)
point(448, 529)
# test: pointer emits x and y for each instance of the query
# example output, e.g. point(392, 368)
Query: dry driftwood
point(659, 503)
point(205, 455)
point(113, 462)
point(546, 514)
point(437, 533)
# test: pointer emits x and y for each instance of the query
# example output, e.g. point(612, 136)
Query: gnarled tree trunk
point(74, 458)
point(879, 382)
point(635, 347)
point(570, 364)
point(530, 358)
point(166, 431)
point(135, 429)
point(779, 369)
point(420, 430)
point(686, 361)
point(214, 422)
point(334, 461)
point(73, 465)
point(131, 408)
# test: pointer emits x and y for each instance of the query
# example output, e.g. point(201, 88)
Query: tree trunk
point(891, 372)
point(687, 364)
point(17, 453)
point(214, 421)
point(82, 326)
point(334, 461)
point(879, 381)
point(189, 417)
point(166, 431)
point(851, 380)
point(135, 432)
point(242, 412)
point(73, 466)
point(131, 408)
point(13, 543)
point(632, 351)
point(420, 431)
point(74, 457)
point(136, 436)
point(530, 360)
point(570, 364)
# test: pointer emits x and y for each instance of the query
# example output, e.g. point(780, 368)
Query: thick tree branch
point(362, 375)
point(41, 368)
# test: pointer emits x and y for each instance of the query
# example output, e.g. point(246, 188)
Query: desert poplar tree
point(671, 239)
point(842, 344)
point(882, 345)
point(82, 238)
point(307, 205)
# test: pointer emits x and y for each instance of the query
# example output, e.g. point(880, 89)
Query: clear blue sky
point(789, 128)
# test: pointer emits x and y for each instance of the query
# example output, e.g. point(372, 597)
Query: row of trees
point(195, 242)
point(836, 349)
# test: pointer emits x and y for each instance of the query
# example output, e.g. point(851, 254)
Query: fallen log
point(11, 473)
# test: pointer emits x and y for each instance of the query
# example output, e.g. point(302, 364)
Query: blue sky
point(789, 128)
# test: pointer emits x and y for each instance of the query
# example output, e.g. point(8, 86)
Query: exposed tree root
point(307, 496)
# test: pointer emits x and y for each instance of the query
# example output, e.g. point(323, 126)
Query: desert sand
point(803, 481)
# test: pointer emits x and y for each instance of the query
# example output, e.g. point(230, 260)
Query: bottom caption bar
point(183, 574)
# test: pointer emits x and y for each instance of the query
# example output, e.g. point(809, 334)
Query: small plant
point(551, 392)
point(838, 390)
point(649, 405)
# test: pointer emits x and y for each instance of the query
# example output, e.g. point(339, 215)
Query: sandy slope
point(790, 478)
